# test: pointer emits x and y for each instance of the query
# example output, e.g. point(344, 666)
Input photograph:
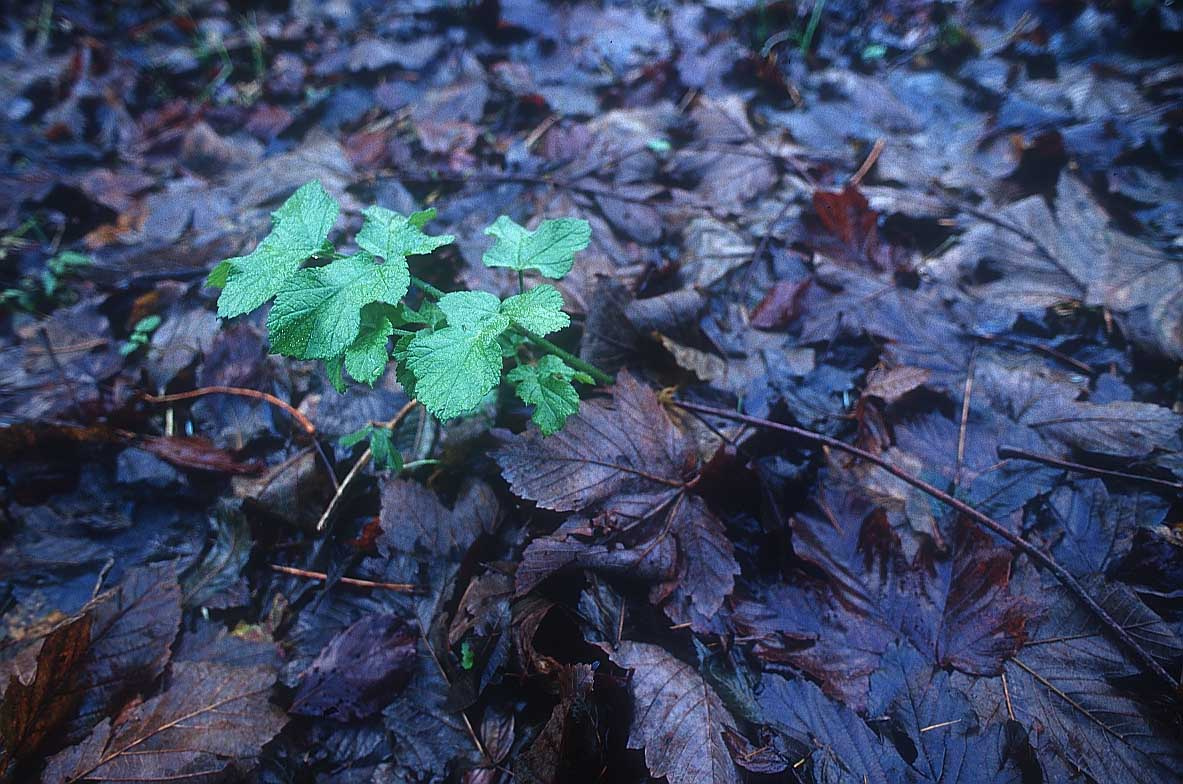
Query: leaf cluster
point(348, 309)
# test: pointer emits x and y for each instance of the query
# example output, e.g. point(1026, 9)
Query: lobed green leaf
point(550, 248)
point(300, 228)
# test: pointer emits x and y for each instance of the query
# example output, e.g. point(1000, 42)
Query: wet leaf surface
point(945, 233)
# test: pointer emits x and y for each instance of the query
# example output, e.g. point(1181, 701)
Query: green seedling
point(141, 335)
point(350, 311)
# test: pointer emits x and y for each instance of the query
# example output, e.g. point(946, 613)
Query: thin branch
point(294, 572)
point(303, 421)
point(1144, 659)
point(361, 463)
point(1012, 452)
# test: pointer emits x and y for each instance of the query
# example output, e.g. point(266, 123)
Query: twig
point(301, 420)
point(1144, 659)
point(361, 463)
point(963, 428)
point(873, 156)
point(293, 571)
point(1005, 452)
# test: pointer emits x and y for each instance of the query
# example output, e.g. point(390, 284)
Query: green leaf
point(335, 371)
point(366, 357)
point(550, 248)
point(300, 228)
point(547, 386)
point(456, 366)
point(317, 313)
point(382, 450)
point(539, 310)
point(387, 234)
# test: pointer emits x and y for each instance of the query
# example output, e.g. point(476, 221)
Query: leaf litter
point(943, 235)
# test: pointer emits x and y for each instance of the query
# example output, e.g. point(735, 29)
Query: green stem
point(418, 463)
point(811, 28)
point(566, 356)
point(572, 360)
point(427, 288)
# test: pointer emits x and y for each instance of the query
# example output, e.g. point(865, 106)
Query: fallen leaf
point(359, 671)
point(678, 719)
point(211, 719)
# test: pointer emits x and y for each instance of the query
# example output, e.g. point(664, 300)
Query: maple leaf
point(938, 721)
point(624, 465)
point(959, 611)
point(210, 718)
point(1037, 257)
point(1064, 686)
point(678, 719)
point(838, 743)
point(301, 227)
point(550, 248)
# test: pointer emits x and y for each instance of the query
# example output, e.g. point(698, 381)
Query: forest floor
point(942, 242)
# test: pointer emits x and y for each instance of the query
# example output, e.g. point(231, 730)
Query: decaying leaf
point(209, 720)
point(677, 717)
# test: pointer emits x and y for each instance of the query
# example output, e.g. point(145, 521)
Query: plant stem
point(419, 463)
point(427, 288)
point(1147, 662)
point(572, 360)
point(811, 28)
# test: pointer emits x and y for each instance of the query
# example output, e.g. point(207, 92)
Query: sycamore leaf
point(678, 719)
point(317, 313)
point(625, 465)
point(550, 248)
point(547, 386)
point(392, 236)
point(300, 228)
point(35, 706)
point(456, 366)
point(1065, 686)
point(539, 310)
point(210, 718)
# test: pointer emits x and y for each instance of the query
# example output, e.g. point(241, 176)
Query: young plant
point(141, 335)
point(451, 350)
point(47, 290)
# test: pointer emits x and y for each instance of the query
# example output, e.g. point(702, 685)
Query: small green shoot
point(141, 335)
point(451, 348)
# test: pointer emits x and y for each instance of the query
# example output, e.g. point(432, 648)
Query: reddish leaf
point(958, 611)
point(132, 629)
point(198, 454)
point(626, 466)
point(677, 718)
point(359, 671)
point(851, 224)
point(211, 719)
point(781, 305)
point(36, 703)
